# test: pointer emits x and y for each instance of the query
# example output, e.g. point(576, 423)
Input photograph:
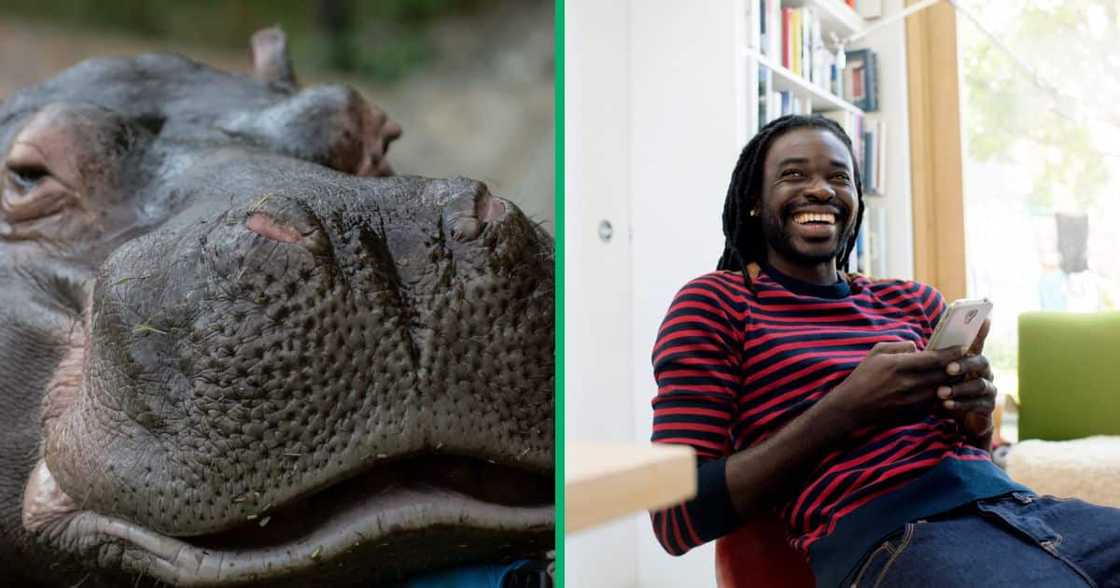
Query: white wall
point(597, 274)
point(651, 138)
point(685, 139)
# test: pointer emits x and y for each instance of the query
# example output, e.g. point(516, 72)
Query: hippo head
point(235, 349)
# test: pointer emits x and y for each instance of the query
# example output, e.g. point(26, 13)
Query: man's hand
point(894, 381)
point(972, 397)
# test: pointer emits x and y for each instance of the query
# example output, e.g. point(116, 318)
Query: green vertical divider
point(558, 173)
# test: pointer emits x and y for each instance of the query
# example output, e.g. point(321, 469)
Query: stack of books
point(794, 38)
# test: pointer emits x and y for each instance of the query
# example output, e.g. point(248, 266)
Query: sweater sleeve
point(696, 362)
point(933, 303)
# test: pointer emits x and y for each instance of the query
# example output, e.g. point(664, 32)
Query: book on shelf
point(765, 98)
point(861, 79)
point(873, 161)
point(880, 140)
point(870, 254)
point(773, 22)
point(791, 39)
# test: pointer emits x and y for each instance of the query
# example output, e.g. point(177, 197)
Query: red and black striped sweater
point(733, 366)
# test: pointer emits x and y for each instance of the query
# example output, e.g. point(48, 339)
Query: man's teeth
point(814, 217)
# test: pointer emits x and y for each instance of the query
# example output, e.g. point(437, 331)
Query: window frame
point(937, 184)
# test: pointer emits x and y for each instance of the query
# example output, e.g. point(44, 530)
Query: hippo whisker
point(259, 203)
point(127, 279)
point(146, 328)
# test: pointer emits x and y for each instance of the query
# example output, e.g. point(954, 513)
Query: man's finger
point(985, 405)
point(973, 366)
point(978, 344)
point(972, 389)
point(930, 359)
point(931, 379)
point(893, 347)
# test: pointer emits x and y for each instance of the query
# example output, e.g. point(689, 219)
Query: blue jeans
point(482, 576)
point(1014, 540)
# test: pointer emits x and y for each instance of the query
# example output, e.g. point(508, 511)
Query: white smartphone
point(960, 324)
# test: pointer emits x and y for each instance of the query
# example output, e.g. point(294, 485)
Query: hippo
point(235, 349)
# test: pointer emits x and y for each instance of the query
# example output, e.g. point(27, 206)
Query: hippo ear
point(271, 62)
point(332, 125)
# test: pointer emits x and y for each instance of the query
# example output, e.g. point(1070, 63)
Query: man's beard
point(774, 231)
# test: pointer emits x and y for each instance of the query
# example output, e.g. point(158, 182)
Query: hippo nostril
point(266, 226)
point(492, 209)
point(465, 228)
point(468, 215)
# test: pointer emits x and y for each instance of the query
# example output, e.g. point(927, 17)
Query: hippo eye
point(30, 192)
point(26, 177)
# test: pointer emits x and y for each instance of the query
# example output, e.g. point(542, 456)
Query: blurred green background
point(470, 81)
point(382, 39)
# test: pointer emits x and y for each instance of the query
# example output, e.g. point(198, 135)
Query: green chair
point(1069, 375)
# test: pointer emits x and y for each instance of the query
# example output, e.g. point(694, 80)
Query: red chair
point(758, 555)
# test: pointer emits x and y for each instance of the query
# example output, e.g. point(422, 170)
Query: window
point(1041, 160)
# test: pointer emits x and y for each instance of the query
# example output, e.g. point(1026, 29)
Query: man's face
point(809, 204)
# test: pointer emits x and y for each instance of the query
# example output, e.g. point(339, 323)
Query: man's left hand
point(972, 398)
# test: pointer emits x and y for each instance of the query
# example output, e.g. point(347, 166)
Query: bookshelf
point(768, 87)
point(795, 52)
point(785, 80)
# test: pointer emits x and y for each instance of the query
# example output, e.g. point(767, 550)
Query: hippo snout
point(269, 227)
point(469, 212)
point(319, 346)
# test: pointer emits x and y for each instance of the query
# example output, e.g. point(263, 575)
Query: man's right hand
point(894, 380)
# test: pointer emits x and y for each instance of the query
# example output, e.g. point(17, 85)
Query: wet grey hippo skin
point(235, 350)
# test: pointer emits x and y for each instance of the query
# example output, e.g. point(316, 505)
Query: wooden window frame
point(937, 184)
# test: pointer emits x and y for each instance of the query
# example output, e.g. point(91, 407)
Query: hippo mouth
point(346, 533)
point(311, 397)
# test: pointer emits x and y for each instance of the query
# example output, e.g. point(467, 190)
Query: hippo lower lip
point(332, 532)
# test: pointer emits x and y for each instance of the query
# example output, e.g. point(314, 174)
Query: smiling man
point(808, 392)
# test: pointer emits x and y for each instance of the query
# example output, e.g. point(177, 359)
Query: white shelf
point(836, 17)
point(784, 79)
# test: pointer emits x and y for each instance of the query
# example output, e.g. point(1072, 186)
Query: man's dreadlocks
point(744, 242)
